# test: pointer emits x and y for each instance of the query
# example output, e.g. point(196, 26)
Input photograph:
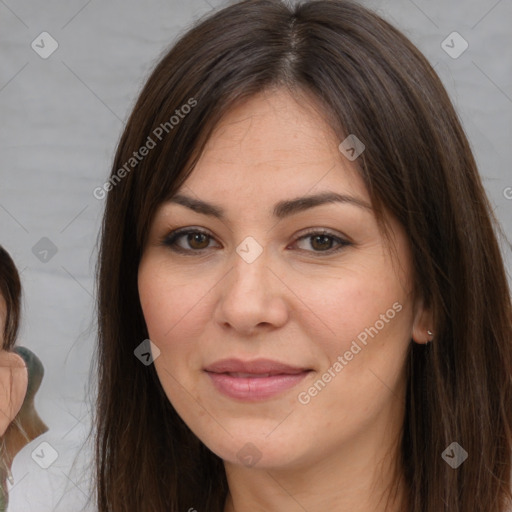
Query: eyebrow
point(282, 209)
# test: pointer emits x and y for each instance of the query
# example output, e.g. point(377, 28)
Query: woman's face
point(13, 378)
point(264, 283)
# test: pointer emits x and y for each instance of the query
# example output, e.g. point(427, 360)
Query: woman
point(302, 302)
point(14, 374)
point(21, 373)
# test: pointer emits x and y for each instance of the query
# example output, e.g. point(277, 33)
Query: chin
point(256, 452)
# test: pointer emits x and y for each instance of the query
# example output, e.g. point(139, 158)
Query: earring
point(430, 333)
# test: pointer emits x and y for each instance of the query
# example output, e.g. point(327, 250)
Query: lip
point(257, 366)
point(254, 380)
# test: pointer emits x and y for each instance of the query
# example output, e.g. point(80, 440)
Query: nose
point(252, 297)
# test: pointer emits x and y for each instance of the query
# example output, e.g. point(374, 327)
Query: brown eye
point(195, 240)
point(190, 241)
point(322, 242)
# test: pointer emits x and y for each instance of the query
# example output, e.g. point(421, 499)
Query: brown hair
point(10, 290)
point(371, 81)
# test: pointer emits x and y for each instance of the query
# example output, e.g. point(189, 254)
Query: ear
point(422, 324)
point(13, 387)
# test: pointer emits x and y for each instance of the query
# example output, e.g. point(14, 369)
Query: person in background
point(21, 373)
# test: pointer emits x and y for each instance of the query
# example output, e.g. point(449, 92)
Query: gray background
point(60, 120)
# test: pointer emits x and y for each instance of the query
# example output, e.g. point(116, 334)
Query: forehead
point(273, 144)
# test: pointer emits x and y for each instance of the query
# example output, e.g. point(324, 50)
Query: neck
point(364, 476)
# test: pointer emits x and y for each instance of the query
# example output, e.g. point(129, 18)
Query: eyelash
point(170, 241)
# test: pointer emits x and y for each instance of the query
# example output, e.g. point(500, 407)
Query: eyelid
point(341, 239)
point(171, 237)
point(173, 234)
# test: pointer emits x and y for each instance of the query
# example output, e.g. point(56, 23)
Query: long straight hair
point(369, 80)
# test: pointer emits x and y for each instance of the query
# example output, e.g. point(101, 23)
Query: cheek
point(368, 321)
point(365, 319)
point(366, 298)
point(170, 306)
point(169, 302)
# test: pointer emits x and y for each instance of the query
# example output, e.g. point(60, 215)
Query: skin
point(294, 304)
